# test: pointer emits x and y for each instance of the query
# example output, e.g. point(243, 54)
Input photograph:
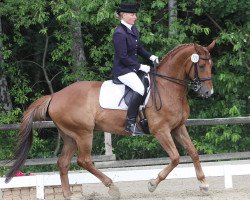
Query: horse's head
point(200, 71)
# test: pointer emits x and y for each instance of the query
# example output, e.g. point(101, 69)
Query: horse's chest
point(174, 112)
point(177, 106)
point(177, 112)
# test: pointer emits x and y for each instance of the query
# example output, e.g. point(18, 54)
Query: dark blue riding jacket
point(127, 48)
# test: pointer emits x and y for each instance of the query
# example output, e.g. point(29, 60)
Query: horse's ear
point(211, 46)
point(198, 48)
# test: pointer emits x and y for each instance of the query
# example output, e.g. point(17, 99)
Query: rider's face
point(130, 18)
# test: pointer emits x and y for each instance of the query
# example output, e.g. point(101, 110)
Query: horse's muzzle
point(205, 91)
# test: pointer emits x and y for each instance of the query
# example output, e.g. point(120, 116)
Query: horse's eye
point(202, 66)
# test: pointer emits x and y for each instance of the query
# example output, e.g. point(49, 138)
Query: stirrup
point(134, 130)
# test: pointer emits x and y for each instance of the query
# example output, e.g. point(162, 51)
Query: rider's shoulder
point(119, 29)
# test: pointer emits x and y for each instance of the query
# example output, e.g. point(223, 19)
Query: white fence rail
point(225, 170)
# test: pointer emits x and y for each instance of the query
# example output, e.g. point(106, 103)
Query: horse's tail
point(36, 112)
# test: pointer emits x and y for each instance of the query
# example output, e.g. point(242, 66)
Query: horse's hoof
point(204, 188)
point(151, 185)
point(114, 192)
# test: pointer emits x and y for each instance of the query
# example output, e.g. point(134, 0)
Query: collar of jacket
point(128, 30)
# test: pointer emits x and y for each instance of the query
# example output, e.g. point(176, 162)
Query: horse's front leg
point(166, 141)
point(182, 136)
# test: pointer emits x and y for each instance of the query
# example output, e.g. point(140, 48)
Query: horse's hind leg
point(84, 145)
point(182, 136)
point(63, 162)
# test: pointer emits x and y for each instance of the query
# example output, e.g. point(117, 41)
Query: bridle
point(196, 82)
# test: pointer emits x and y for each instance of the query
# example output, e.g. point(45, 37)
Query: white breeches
point(133, 81)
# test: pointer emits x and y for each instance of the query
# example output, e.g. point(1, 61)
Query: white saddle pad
point(111, 94)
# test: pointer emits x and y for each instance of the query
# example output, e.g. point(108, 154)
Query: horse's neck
point(174, 66)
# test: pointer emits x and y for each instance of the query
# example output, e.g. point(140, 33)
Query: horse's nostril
point(208, 93)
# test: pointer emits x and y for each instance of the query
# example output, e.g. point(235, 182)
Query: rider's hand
point(144, 68)
point(154, 59)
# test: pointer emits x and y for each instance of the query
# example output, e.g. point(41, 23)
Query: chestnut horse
point(76, 112)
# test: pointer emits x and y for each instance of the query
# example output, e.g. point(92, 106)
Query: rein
point(196, 82)
point(169, 78)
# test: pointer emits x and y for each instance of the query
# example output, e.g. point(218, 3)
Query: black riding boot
point(133, 109)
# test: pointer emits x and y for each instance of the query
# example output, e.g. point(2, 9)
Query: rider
point(126, 64)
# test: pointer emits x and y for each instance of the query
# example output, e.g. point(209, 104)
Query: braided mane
point(175, 50)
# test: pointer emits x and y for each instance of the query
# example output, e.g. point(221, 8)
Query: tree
point(78, 54)
point(172, 9)
point(5, 101)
